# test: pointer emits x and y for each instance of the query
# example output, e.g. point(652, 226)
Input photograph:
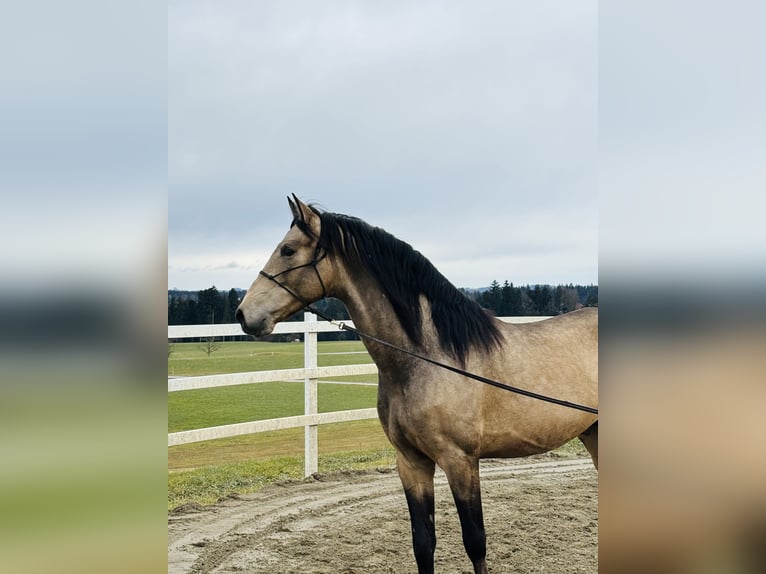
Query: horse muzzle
point(255, 326)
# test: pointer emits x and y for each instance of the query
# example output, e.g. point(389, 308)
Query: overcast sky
point(468, 130)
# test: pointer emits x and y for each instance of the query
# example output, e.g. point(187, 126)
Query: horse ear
point(302, 212)
point(297, 216)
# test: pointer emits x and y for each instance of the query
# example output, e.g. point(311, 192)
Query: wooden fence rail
point(309, 327)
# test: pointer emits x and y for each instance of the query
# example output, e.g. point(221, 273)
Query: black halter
point(313, 263)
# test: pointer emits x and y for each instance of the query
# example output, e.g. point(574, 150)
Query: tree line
point(203, 307)
point(213, 306)
point(507, 300)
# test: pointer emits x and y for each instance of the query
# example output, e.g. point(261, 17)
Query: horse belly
point(518, 432)
point(513, 444)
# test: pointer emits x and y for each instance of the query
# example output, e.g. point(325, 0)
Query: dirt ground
point(541, 515)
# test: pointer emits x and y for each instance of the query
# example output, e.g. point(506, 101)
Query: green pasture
point(188, 359)
point(202, 408)
point(203, 472)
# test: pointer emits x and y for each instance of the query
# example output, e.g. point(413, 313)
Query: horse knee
point(463, 477)
point(417, 476)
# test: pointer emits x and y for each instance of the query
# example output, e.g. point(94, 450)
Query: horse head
point(291, 278)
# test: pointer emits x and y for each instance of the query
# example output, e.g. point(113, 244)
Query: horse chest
point(423, 415)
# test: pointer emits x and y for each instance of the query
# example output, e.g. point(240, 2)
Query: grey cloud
point(409, 115)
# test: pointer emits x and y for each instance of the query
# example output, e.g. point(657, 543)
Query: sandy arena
point(541, 515)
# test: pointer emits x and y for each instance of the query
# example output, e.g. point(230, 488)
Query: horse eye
point(287, 251)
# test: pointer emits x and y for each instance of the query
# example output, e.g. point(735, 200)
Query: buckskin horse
point(433, 415)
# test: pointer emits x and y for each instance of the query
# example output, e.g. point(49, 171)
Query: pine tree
point(493, 297)
point(232, 302)
point(210, 305)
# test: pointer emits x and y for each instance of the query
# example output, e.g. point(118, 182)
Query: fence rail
point(296, 421)
point(235, 330)
point(225, 380)
point(309, 327)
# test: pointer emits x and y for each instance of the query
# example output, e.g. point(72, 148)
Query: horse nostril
point(240, 316)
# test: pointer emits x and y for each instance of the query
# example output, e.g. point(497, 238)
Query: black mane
point(404, 274)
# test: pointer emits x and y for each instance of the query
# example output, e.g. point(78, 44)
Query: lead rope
point(344, 327)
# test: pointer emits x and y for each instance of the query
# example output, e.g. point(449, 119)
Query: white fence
point(310, 373)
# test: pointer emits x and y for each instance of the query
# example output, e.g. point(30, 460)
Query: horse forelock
point(303, 226)
point(405, 274)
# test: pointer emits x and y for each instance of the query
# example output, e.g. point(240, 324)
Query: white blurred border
point(682, 246)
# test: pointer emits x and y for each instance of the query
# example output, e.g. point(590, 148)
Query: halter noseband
point(313, 263)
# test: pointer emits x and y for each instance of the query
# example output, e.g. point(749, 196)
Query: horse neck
point(372, 314)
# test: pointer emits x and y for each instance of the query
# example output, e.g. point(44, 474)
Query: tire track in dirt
point(540, 516)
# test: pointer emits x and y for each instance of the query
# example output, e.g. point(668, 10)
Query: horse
point(434, 416)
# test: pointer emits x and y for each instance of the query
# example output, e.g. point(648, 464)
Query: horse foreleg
point(463, 477)
point(417, 475)
point(590, 439)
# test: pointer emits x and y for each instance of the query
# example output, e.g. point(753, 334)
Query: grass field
point(207, 471)
point(203, 408)
point(187, 359)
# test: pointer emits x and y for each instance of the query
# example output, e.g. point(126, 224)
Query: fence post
point(311, 452)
